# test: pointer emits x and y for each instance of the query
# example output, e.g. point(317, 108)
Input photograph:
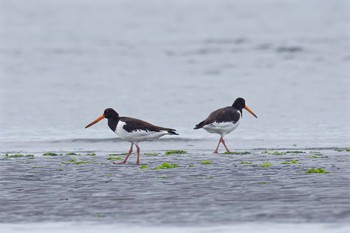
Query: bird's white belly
point(221, 128)
point(137, 135)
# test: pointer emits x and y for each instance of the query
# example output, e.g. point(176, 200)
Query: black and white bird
point(132, 130)
point(224, 120)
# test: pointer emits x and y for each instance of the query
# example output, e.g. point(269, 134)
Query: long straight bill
point(250, 111)
point(95, 121)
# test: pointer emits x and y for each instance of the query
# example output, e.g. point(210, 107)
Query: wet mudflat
point(196, 188)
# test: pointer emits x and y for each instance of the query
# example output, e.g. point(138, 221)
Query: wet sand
point(206, 189)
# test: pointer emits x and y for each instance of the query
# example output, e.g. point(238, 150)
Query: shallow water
point(171, 63)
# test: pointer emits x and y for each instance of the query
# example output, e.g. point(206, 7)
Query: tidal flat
point(197, 188)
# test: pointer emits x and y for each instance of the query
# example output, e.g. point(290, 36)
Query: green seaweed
point(50, 154)
point(347, 149)
point(206, 162)
point(267, 164)
point(78, 162)
point(71, 153)
point(263, 182)
point(294, 152)
point(143, 166)
point(317, 171)
point(90, 154)
point(265, 152)
point(120, 154)
point(294, 161)
point(315, 156)
point(114, 158)
point(151, 153)
point(237, 153)
point(7, 156)
point(246, 162)
point(277, 153)
point(171, 152)
point(166, 166)
point(191, 165)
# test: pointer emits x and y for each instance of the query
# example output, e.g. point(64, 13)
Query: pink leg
point(223, 142)
point(127, 156)
point(138, 154)
point(216, 150)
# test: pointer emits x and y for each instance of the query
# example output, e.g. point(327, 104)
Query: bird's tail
point(169, 130)
point(172, 131)
point(200, 125)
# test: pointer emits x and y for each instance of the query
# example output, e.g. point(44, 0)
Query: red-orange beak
point(250, 111)
point(95, 121)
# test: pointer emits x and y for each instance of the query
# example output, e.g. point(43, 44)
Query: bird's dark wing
point(133, 124)
point(227, 114)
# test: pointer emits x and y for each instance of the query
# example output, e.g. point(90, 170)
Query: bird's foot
point(123, 162)
point(137, 162)
point(215, 152)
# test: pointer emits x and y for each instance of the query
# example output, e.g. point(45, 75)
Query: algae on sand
point(206, 162)
point(166, 166)
point(317, 171)
point(171, 152)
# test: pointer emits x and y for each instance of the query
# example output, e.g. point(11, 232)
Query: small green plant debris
point(166, 166)
point(264, 182)
point(347, 149)
point(114, 157)
point(71, 153)
point(191, 165)
point(178, 152)
point(265, 152)
point(151, 154)
point(266, 164)
point(339, 149)
point(50, 154)
point(317, 170)
point(78, 162)
point(294, 152)
point(277, 153)
point(294, 161)
point(7, 156)
point(315, 156)
point(246, 162)
point(163, 177)
point(237, 153)
point(206, 162)
point(143, 166)
point(90, 154)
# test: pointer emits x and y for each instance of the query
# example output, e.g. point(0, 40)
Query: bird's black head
point(110, 113)
point(239, 104)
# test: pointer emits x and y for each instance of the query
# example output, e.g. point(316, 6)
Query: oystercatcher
point(224, 120)
point(132, 130)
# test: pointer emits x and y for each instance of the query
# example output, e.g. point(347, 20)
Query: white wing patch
point(137, 135)
point(221, 128)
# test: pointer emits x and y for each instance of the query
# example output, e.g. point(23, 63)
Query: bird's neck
point(113, 122)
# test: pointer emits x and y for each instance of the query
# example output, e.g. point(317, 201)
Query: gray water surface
point(173, 62)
